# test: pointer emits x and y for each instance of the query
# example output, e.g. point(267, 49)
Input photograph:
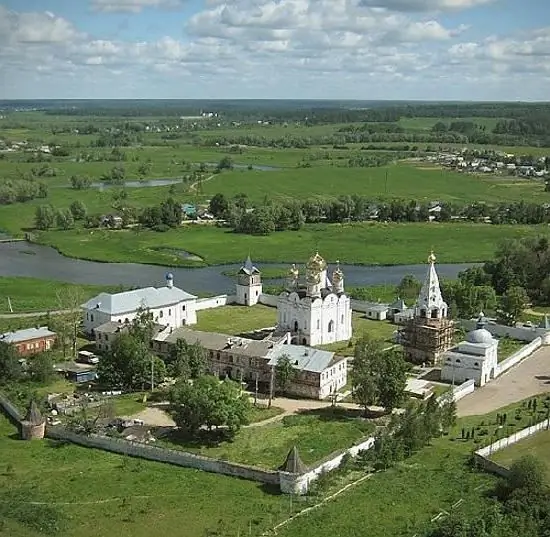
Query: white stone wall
point(300, 484)
point(519, 355)
point(500, 330)
point(215, 302)
point(458, 392)
point(268, 300)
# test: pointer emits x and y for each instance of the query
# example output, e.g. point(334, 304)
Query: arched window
point(435, 313)
point(296, 326)
point(330, 326)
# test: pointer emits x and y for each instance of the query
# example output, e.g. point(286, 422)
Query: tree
point(226, 163)
point(512, 304)
point(209, 402)
point(10, 368)
point(44, 217)
point(409, 287)
point(187, 361)
point(219, 205)
point(129, 364)
point(81, 182)
point(528, 473)
point(364, 377)
point(67, 326)
point(78, 210)
point(285, 373)
point(41, 367)
point(64, 219)
point(392, 379)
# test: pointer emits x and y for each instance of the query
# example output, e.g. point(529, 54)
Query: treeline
point(20, 190)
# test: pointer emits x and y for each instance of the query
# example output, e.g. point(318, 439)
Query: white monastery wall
point(520, 355)
point(268, 300)
point(514, 332)
point(215, 302)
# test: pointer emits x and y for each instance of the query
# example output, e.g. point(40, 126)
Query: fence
point(10, 409)
point(515, 332)
point(171, 456)
point(458, 392)
point(214, 302)
point(483, 455)
point(519, 355)
point(268, 300)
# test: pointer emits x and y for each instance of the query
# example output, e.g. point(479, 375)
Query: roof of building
point(111, 327)
point(219, 342)
point(430, 293)
point(34, 416)
point(148, 297)
point(399, 304)
point(249, 268)
point(480, 335)
point(375, 306)
point(457, 355)
point(26, 334)
point(303, 358)
point(316, 263)
point(293, 463)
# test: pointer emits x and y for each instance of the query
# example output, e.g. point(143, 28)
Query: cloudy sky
point(313, 49)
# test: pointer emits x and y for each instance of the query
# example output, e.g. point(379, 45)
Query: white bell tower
point(249, 284)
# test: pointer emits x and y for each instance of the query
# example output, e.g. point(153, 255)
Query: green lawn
point(396, 181)
point(234, 320)
point(316, 434)
point(507, 347)
point(402, 501)
point(262, 413)
point(361, 243)
point(537, 445)
point(362, 327)
point(34, 295)
point(92, 493)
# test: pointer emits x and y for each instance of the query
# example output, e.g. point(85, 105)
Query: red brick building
point(30, 340)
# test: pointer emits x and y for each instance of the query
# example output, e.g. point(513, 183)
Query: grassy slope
point(32, 294)
point(150, 498)
point(363, 243)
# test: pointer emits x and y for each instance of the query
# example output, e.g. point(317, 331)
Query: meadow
point(316, 434)
point(367, 243)
point(28, 295)
point(51, 488)
point(235, 319)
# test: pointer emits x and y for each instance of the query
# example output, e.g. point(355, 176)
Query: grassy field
point(34, 295)
point(537, 445)
point(397, 181)
point(316, 434)
point(91, 493)
point(235, 320)
point(401, 501)
point(361, 243)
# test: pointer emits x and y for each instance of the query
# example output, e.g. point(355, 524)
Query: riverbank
point(353, 244)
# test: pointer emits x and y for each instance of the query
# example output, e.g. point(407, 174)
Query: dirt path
point(193, 186)
point(527, 379)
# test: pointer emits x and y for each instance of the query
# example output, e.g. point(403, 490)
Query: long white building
point(169, 305)
point(316, 312)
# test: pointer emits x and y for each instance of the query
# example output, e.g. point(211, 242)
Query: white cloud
point(132, 6)
point(425, 5)
point(317, 48)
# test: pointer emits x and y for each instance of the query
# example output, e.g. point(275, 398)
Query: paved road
point(529, 378)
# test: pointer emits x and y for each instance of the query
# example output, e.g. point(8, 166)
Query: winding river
point(32, 260)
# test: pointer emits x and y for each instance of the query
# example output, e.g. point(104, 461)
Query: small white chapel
point(315, 311)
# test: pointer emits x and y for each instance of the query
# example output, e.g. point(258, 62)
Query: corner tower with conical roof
point(429, 333)
point(249, 284)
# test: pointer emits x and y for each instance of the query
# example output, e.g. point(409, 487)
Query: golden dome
point(337, 275)
point(316, 263)
point(431, 257)
point(293, 271)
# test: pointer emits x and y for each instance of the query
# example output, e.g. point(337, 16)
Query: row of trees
point(20, 190)
point(47, 216)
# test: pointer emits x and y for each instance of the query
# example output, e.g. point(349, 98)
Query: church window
point(318, 324)
point(331, 326)
point(434, 314)
point(211, 354)
point(92, 317)
point(161, 314)
point(256, 293)
point(476, 364)
point(183, 308)
point(218, 355)
point(342, 320)
point(457, 360)
point(169, 312)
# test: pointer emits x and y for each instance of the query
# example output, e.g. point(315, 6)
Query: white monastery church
point(317, 311)
point(169, 305)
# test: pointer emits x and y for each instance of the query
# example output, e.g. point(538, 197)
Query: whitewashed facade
point(249, 284)
point(317, 312)
point(169, 305)
point(475, 359)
